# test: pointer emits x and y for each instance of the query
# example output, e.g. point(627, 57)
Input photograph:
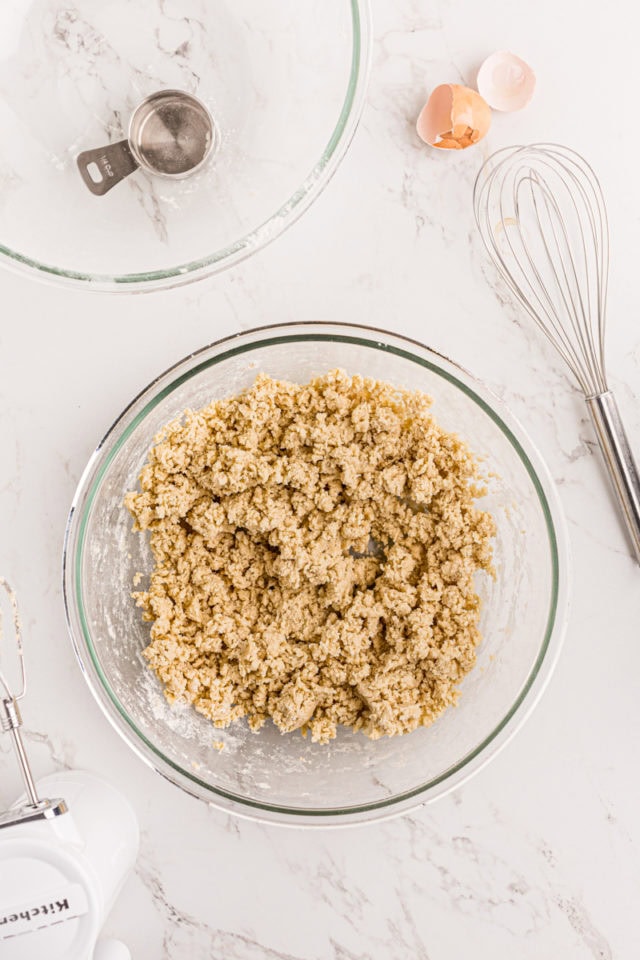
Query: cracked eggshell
point(454, 117)
point(506, 82)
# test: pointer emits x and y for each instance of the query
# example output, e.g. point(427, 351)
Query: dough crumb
point(315, 549)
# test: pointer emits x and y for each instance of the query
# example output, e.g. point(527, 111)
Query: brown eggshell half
point(454, 117)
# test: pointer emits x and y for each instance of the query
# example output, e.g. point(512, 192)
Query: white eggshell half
point(506, 82)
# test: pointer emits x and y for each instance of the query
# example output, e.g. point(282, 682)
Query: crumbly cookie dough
point(315, 548)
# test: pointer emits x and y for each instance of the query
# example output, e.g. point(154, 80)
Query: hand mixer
point(542, 217)
point(62, 862)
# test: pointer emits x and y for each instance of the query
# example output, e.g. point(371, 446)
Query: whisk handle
point(619, 460)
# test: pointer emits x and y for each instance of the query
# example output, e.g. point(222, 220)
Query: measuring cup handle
point(103, 167)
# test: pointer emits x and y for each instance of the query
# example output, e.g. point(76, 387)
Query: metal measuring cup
point(171, 134)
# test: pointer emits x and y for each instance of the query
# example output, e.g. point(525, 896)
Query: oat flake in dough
point(315, 548)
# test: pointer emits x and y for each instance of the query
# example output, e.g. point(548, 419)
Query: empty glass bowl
point(285, 778)
point(283, 80)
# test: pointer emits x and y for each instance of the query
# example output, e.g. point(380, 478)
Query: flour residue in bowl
point(314, 556)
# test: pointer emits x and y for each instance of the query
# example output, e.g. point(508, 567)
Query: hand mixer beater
point(542, 217)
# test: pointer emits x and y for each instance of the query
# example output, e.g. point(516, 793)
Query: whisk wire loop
point(542, 217)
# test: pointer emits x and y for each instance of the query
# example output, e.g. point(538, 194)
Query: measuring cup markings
point(171, 134)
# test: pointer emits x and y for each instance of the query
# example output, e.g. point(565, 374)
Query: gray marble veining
point(537, 857)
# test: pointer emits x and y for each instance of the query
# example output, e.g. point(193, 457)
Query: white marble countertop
point(538, 856)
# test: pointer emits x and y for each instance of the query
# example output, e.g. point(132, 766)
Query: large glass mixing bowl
point(284, 777)
point(284, 81)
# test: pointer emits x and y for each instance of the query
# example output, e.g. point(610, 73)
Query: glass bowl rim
point(260, 236)
point(277, 334)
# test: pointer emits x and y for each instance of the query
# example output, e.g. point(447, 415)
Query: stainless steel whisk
point(542, 217)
